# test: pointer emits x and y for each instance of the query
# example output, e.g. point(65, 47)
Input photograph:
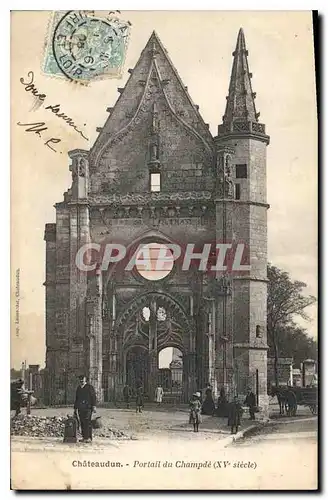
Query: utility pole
point(23, 370)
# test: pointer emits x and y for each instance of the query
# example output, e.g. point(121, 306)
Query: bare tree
point(285, 301)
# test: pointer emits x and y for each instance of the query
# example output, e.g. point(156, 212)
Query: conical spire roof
point(241, 99)
point(240, 114)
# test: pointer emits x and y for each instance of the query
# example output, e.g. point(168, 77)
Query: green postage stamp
point(83, 47)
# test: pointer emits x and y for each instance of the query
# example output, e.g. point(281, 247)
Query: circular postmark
point(85, 47)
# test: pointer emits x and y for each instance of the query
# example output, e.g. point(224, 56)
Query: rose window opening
point(154, 261)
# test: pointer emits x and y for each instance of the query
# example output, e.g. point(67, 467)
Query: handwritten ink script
point(40, 127)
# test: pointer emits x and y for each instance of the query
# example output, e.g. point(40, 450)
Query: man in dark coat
point(127, 395)
point(234, 415)
point(223, 404)
point(17, 390)
point(84, 406)
point(139, 399)
point(250, 401)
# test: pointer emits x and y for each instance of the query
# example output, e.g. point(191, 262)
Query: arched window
point(258, 332)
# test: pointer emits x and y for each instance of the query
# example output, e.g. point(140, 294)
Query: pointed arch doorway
point(171, 374)
point(137, 367)
point(153, 323)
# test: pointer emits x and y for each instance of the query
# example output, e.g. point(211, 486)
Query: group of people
point(232, 410)
point(138, 395)
point(85, 405)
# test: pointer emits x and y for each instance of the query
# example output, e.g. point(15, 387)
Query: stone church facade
point(154, 176)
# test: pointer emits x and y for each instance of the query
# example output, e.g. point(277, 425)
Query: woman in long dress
point(159, 395)
point(208, 407)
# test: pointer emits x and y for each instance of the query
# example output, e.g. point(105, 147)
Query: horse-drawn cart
point(289, 398)
point(307, 396)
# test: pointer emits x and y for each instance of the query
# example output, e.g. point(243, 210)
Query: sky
point(200, 44)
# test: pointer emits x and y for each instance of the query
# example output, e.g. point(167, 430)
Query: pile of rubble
point(107, 432)
point(31, 425)
point(35, 426)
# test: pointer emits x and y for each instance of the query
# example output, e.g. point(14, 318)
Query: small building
point(309, 372)
point(285, 371)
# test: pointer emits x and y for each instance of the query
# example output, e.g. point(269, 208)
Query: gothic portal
point(156, 176)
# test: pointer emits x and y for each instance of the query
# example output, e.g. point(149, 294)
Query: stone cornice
point(250, 278)
point(147, 198)
point(241, 202)
point(49, 283)
point(251, 346)
point(242, 135)
point(83, 202)
point(139, 198)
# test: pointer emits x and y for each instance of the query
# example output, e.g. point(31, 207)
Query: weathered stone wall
point(258, 374)
point(258, 241)
point(241, 294)
point(155, 113)
point(284, 371)
point(185, 164)
point(249, 223)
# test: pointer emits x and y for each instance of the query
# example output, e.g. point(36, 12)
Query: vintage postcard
point(164, 250)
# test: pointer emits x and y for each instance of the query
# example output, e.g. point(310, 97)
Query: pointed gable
point(154, 77)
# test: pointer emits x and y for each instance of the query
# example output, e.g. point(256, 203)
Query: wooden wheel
point(313, 409)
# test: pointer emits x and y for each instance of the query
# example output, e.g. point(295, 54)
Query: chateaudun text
point(179, 464)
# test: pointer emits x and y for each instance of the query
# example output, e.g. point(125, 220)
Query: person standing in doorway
point(127, 394)
point(139, 399)
point(250, 401)
point(84, 406)
point(159, 393)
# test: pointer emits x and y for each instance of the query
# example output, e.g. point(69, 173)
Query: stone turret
point(243, 140)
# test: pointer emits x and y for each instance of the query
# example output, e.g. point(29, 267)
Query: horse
point(282, 399)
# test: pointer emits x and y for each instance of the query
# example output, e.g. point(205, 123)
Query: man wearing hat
point(250, 401)
point(17, 394)
point(84, 406)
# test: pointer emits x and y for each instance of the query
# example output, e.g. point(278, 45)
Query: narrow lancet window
point(155, 182)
